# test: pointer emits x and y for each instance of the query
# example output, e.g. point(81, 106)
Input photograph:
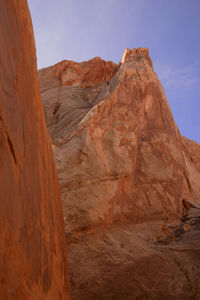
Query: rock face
point(32, 243)
point(131, 177)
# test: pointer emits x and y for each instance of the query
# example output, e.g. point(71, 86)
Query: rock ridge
point(85, 74)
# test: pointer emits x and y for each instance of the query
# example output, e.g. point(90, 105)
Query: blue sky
point(82, 29)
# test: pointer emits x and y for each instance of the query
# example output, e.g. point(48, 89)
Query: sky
point(82, 29)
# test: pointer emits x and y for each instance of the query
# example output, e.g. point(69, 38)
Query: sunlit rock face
point(131, 173)
point(32, 243)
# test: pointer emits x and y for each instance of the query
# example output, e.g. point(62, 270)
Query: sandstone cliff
point(132, 177)
point(32, 244)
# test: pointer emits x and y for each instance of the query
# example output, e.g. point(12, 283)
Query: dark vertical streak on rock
point(11, 148)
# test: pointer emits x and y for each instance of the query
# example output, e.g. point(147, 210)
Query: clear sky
point(82, 29)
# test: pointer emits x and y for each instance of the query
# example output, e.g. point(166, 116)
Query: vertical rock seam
point(33, 263)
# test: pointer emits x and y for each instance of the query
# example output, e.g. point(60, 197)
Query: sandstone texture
point(127, 179)
point(32, 242)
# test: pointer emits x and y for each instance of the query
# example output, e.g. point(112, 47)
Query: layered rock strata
point(131, 175)
point(33, 261)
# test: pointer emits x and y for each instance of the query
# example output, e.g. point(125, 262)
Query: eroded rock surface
point(130, 174)
point(32, 243)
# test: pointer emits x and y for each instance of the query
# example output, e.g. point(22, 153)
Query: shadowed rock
point(32, 245)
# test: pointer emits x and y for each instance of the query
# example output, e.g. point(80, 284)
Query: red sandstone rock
point(85, 74)
point(32, 245)
point(130, 172)
point(193, 150)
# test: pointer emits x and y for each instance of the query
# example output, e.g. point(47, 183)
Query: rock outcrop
point(131, 175)
point(32, 243)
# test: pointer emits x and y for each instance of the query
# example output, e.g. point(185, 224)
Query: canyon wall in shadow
point(33, 261)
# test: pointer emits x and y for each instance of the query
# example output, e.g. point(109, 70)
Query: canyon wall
point(126, 156)
point(127, 178)
point(33, 262)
